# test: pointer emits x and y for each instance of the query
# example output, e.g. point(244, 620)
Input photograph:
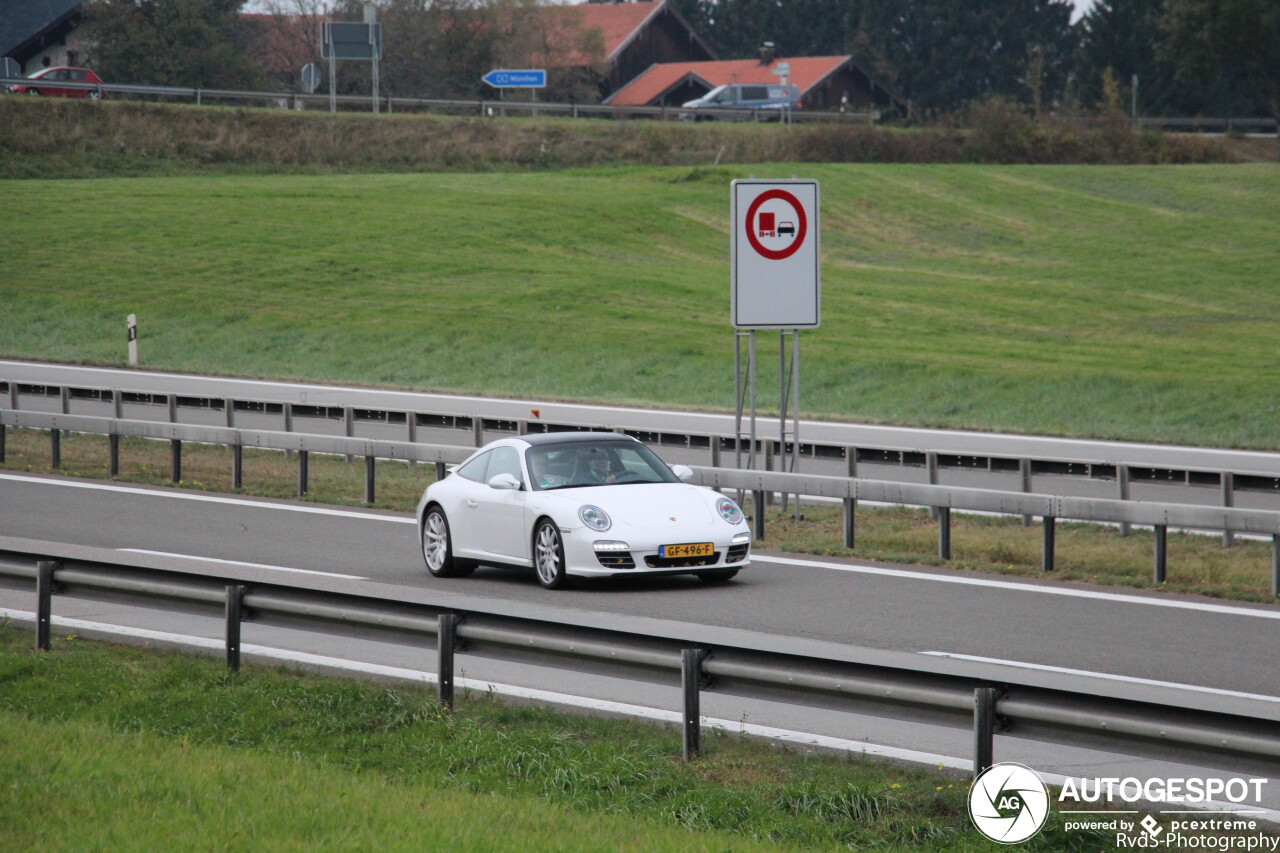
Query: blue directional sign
point(525, 78)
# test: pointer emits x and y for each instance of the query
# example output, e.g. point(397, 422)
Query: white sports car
point(591, 504)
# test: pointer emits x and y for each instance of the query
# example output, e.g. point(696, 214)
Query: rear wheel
point(548, 555)
point(437, 547)
point(717, 575)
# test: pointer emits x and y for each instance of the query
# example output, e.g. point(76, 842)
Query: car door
point(466, 488)
point(497, 520)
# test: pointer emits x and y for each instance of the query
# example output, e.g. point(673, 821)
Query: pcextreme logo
point(1009, 803)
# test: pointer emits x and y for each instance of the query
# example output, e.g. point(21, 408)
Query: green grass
point(1118, 302)
point(116, 748)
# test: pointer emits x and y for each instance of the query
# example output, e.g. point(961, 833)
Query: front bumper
point(623, 555)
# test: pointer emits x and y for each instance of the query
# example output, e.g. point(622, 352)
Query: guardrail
point(479, 107)
point(708, 659)
point(761, 484)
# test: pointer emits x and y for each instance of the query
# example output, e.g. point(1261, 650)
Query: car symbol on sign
point(786, 228)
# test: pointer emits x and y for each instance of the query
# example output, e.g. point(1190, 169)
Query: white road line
point(755, 558)
point(1020, 587)
point(910, 756)
point(239, 563)
point(214, 499)
point(1106, 676)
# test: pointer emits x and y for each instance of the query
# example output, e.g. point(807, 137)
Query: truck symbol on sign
point(767, 225)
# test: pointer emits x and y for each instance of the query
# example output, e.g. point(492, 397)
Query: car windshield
point(595, 463)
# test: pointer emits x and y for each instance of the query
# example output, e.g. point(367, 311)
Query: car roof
point(573, 437)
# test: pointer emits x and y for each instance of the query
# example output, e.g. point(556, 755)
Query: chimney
point(767, 53)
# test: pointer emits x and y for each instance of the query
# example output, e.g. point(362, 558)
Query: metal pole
point(2, 440)
point(1228, 500)
point(441, 471)
point(1024, 469)
point(984, 726)
point(757, 513)
point(1275, 565)
point(44, 602)
point(446, 642)
point(795, 409)
point(751, 376)
point(1122, 479)
point(1046, 560)
point(850, 507)
point(333, 71)
point(302, 472)
point(1162, 545)
point(55, 448)
point(175, 474)
point(691, 682)
point(931, 466)
point(237, 466)
point(235, 597)
point(944, 533)
point(368, 479)
point(113, 455)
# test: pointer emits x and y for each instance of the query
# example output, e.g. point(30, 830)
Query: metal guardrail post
point(44, 601)
point(237, 466)
point(715, 451)
point(1122, 480)
point(229, 409)
point(1275, 565)
point(1046, 559)
point(369, 469)
point(302, 472)
point(1024, 470)
point(175, 474)
point(944, 533)
point(113, 455)
point(1228, 500)
point(757, 513)
point(349, 418)
point(55, 448)
point(931, 466)
point(691, 683)
point(446, 645)
point(2, 440)
point(850, 508)
point(235, 598)
point(1162, 552)
point(477, 431)
point(441, 471)
point(984, 728)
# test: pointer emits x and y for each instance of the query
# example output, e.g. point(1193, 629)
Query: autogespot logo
point(1009, 803)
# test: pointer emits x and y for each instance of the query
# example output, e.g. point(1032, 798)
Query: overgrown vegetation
point(138, 749)
point(40, 138)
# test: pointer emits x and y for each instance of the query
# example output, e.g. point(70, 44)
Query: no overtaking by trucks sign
point(774, 255)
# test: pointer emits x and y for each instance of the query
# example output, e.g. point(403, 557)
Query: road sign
point(310, 77)
point(774, 255)
point(350, 40)
point(525, 78)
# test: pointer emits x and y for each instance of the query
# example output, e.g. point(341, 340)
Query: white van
point(745, 101)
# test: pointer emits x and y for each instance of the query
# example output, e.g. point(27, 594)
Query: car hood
point(647, 504)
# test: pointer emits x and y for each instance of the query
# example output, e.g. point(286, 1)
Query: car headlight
point(729, 511)
point(595, 518)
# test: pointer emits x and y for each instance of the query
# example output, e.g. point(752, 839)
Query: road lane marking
point(1128, 679)
point(910, 756)
point(213, 499)
point(755, 558)
point(239, 563)
point(1020, 587)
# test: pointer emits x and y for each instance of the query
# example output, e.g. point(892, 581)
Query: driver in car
point(597, 469)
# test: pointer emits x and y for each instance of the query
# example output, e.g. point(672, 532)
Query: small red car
point(59, 74)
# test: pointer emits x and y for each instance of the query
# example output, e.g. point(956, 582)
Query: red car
point(59, 74)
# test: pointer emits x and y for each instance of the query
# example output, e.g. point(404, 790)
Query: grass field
point(123, 749)
point(1136, 303)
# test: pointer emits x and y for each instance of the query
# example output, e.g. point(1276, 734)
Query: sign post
point(352, 40)
point(776, 284)
point(132, 325)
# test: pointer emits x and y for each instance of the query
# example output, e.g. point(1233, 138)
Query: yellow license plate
point(697, 549)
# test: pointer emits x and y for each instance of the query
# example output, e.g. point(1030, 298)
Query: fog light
point(607, 545)
point(742, 539)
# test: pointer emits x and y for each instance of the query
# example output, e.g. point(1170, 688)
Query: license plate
point(697, 549)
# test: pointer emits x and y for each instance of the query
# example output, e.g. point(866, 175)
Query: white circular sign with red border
point(774, 254)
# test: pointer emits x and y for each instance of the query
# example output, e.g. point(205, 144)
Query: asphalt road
point(1209, 645)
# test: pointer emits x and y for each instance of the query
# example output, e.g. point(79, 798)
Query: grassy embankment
point(113, 748)
point(1133, 303)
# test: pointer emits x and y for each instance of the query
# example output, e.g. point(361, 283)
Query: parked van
point(748, 98)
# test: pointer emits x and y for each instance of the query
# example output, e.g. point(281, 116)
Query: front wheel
point(548, 555)
point(437, 547)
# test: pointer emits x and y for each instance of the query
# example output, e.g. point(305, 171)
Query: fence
point(735, 662)
point(848, 490)
point(477, 107)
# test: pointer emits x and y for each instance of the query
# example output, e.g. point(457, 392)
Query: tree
point(202, 43)
point(1206, 36)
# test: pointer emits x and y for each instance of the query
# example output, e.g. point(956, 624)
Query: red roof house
point(825, 82)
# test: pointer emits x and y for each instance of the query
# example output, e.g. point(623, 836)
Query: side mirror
point(684, 472)
point(504, 482)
